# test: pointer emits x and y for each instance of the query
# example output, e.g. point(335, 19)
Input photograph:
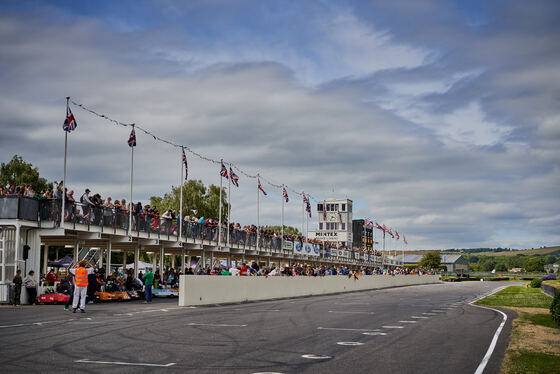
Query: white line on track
point(86, 361)
point(214, 324)
point(393, 327)
point(349, 343)
point(438, 311)
point(349, 312)
point(486, 358)
point(419, 317)
point(371, 333)
point(316, 357)
point(18, 325)
point(342, 329)
point(408, 321)
point(430, 314)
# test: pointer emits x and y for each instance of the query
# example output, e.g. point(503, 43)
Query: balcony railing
point(47, 212)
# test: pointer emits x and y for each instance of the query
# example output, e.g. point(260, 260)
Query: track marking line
point(350, 343)
point(214, 324)
point(486, 358)
point(6, 326)
point(315, 357)
point(438, 311)
point(393, 327)
point(419, 317)
point(348, 312)
point(86, 361)
point(408, 321)
point(371, 333)
point(342, 329)
point(430, 314)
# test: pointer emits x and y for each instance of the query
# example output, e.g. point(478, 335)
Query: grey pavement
point(417, 329)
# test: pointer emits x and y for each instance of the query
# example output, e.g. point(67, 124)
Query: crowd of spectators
point(93, 209)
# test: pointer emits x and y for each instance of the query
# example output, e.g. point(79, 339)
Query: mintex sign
point(332, 236)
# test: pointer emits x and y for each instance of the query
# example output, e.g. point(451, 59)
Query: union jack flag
point(324, 210)
point(307, 205)
point(285, 194)
point(70, 123)
point(223, 171)
point(339, 215)
point(186, 165)
point(234, 177)
point(378, 226)
point(132, 139)
point(404, 239)
point(260, 187)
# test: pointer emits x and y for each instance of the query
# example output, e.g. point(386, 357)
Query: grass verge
point(520, 297)
point(534, 345)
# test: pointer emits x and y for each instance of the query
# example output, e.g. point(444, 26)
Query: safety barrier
point(208, 290)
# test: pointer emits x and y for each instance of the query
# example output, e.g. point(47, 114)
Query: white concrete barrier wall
point(207, 289)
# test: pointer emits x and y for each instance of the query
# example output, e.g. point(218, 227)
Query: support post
point(109, 250)
point(45, 258)
point(136, 260)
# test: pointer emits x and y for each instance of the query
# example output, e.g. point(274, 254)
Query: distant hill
point(555, 251)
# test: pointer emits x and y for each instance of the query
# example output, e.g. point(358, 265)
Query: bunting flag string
point(70, 124)
point(404, 239)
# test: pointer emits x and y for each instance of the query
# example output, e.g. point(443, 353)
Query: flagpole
point(258, 202)
point(64, 173)
point(282, 241)
point(303, 215)
point(229, 207)
point(181, 198)
point(220, 209)
point(131, 179)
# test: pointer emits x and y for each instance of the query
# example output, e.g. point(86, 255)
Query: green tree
point(487, 264)
point(18, 171)
point(534, 264)
point(198, 200)
point(288, 230)
point(501, 267)
point(431, 260)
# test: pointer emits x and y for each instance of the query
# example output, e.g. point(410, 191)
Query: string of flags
point(70, 124)
point(182, 146)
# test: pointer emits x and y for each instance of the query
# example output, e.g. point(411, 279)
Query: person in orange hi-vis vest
point(80, 273)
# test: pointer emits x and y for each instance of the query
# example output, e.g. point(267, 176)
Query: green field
point(517, 296)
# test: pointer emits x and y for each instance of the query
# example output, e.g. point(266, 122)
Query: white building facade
point(334, 222)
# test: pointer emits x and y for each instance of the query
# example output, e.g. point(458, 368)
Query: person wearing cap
point(86, 202)
point(148, 279)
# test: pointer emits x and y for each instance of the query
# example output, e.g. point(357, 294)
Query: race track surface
point(418, 329)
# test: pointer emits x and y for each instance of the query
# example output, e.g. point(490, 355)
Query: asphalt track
point(418, 329)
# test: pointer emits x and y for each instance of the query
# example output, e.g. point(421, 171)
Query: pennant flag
point(186, 165)
point(404, 239)
point(324, 210)
point(260, 188)
point(70, 123)
point(223, 171)
point(132, 139)
point(379, 227)
point(307, 205)
point(397, 234)
point(234, 177)
point(285, 194)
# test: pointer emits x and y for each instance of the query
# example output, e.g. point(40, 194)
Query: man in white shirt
point(233, 270)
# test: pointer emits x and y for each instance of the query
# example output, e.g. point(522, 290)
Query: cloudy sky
point(438, 118)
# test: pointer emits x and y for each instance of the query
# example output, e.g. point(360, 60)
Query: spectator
point(17, 288)
point(31, 286)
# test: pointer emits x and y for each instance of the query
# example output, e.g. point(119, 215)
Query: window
point(335, 226)
point(328, 207)
point(343, 209)
point(319, 207)
point(343, 226)
point(320, 225)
